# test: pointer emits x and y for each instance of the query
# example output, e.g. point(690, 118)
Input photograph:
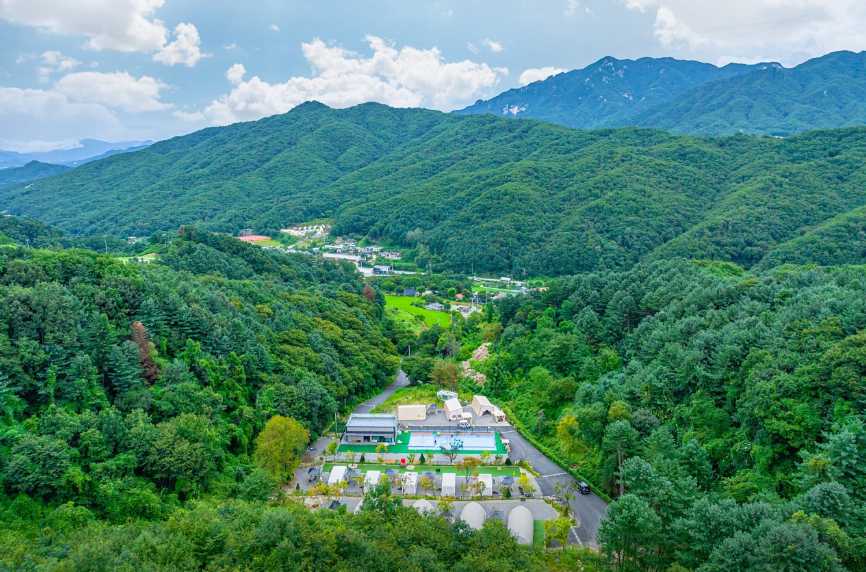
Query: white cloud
point(571, 7)
point(401, 77)
point(236, 73)
point(53, 61)
point(117, 90)
point(493, 45)
point(789, 31)
point(119, 25)
point(230, 47)
point(48, 117)
point(185, 49)
point(537, 74)
point(274, 28)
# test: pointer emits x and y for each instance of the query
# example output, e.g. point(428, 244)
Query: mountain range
point(86, 150)
point(483, 193)
point(695, 97)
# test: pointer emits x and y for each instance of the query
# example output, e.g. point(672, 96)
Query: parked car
point(583, 488)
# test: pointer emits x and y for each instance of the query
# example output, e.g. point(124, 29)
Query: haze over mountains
point(694, 97)
point(86, 150)
point(483, 192)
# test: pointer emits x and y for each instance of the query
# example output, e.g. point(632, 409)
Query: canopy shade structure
point(371, 480)
point(337, 474)
point(449, 484)
point(481, 405)
point(474, 515)
point(410, 483)
point(487, 485)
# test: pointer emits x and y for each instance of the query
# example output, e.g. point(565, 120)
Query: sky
point(152, 69)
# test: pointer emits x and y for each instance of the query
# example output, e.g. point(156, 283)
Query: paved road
point(589, 509)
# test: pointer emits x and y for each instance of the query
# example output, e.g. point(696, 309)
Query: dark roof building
point(370, 428)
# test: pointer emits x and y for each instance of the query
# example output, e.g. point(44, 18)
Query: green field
point(424, 394)
point(400, 308)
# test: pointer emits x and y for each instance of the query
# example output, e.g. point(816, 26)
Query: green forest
point(723, 408)
point(482, 194)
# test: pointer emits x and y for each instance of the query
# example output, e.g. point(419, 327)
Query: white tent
point(449, 484)
point(482, 405)
point(337, 475)
point(410, 483)
point(371, 480)
point(474, 515)
point(415, 412)
point(520, 524)
point(487, 485)
point(453, 409)
point(424, 506)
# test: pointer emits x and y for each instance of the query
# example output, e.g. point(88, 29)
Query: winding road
point(589, 510)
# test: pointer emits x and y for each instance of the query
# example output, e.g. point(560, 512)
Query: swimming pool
point(464, 441)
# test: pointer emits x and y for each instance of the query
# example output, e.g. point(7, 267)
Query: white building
point(453, 409)
point(486, 489)
point(520, 524)
point(410, 483)
point(481, 405)
point(474, 515)
point(371, 480)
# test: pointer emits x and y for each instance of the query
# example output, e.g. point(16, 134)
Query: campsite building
point(337, 475)
point(453, 409)
point(371, 480)
point(410, 483)
point(370, 428)
point(474, 515)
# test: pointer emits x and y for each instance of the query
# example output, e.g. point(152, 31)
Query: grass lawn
point(538, 533)
point(422, 394)
point(401, 309)
point(495, 470)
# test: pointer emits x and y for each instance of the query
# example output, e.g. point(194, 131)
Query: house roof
point(371, 421)
point(453, 404)
point(482, 401)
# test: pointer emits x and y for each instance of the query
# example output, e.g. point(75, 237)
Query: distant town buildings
point(308, 230)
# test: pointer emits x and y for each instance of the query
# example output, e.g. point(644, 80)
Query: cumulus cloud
point(50, 118)
point(537, 74)
point(119, 25)
point(274, 28)
point(493, 45)
point(185, 49)
point(52, 61)
point(789, 31)
point(117, 90)
point(401, 77)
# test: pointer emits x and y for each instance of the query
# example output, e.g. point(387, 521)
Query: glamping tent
point(486, 481)
point(371, 480)
point(453, 409)
point(481, 405)
point(410, 483)
point(474, 515)
point(416, 412)
point(424, 506)
point(449, 484)
point(337, 475)
point(520, 524)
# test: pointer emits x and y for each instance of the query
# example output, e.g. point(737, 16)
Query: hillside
point(30, 172)
point(472, 193)
point(608, 92)
point(692, 97)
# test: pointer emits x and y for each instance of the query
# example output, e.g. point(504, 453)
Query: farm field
point(400, 308)
point(415, 394)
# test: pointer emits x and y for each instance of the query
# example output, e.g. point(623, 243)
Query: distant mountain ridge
point(87, 150)
point(482, 193)
point(695, 97)
point(32, 171)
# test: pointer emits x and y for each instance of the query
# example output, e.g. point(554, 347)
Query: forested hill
point(691, 97)
point(724, 408)
point(608, 92)
point(30, 172)
point(481, 192)
point(127, 388)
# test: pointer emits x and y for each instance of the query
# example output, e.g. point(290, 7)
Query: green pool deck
point(494, 470)
point(402, 447)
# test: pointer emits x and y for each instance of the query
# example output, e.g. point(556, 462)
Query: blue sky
point(129, 69)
